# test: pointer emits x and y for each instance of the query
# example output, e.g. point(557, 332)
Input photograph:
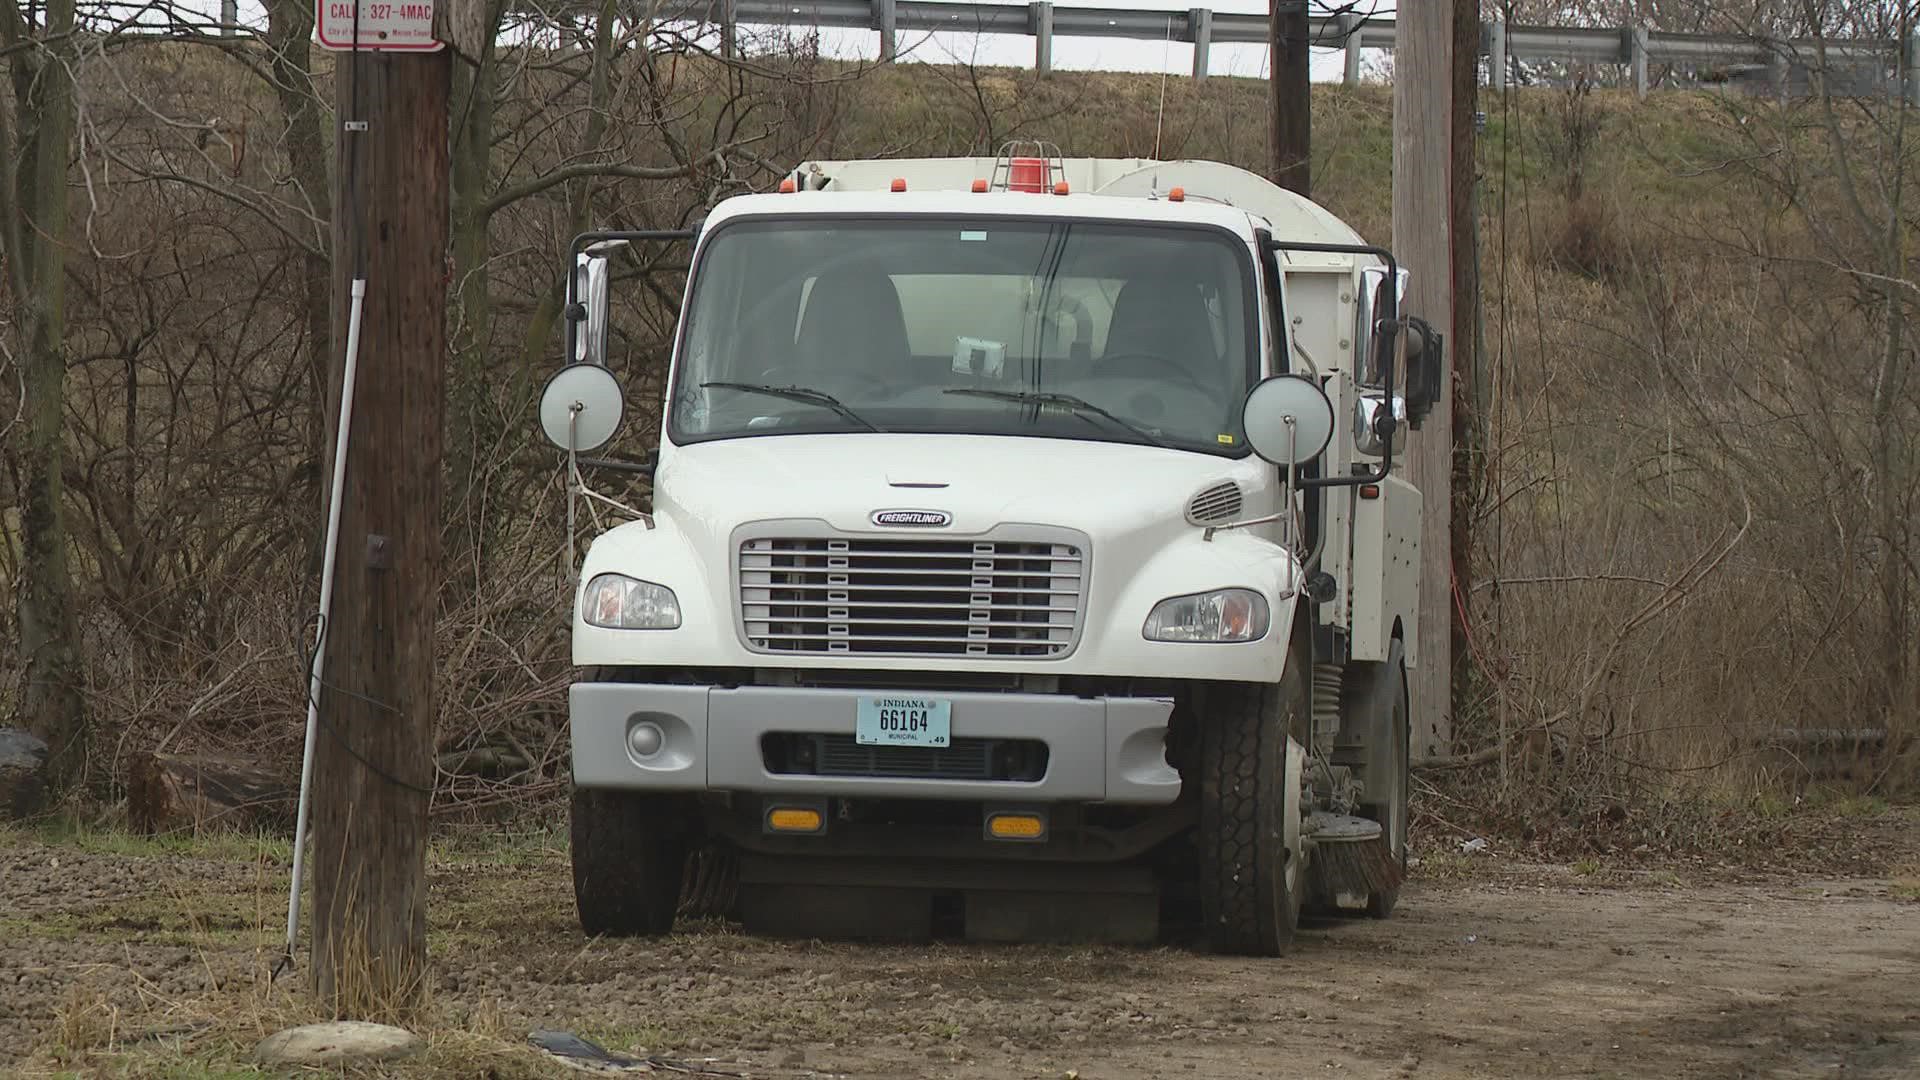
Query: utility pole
point(373, 763)
point(1292, 95)
point(1469, 446)
point(1422, 241)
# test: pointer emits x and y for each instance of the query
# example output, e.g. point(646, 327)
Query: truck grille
point(910, 596)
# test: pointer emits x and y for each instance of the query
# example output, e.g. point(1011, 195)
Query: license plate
point(903, 721)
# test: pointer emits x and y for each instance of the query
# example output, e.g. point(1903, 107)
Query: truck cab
point(1029, 556)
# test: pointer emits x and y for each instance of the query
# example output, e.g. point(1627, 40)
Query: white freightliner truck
point(1030, 556)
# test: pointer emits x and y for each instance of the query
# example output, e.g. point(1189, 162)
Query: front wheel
point(1251, 867)
point(629, 857)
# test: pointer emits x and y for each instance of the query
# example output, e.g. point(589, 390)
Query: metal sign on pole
point(382, 25)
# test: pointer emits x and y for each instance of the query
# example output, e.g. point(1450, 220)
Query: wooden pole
point(1463, 340)
point(1422, 225)
point(1291, 136)
point(373, 765)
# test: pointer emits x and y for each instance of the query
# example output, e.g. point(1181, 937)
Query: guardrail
point(1739, 58)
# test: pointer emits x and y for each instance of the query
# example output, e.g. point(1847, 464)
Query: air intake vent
point(1216, 505)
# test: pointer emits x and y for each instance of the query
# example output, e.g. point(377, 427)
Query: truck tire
point(1250, 886)
point(1391, 810)
point(629, 858)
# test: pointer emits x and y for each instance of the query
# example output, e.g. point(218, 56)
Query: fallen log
point(195, 793)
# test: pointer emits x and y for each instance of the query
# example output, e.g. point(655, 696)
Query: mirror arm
point(1390, 319)
point(644, 467)
point(575, 312)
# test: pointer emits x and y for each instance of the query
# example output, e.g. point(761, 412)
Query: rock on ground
point(336, 1043)
point(23, 774)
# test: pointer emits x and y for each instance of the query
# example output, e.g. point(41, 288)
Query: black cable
point(309, 662)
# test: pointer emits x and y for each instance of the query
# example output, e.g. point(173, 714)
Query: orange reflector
point(1369, 491)
point(979, 186)
point(1178, 194)
point(1060, 188)
point(899, 183)
point(786, 186)
point(794, 819)
point(1016, 827)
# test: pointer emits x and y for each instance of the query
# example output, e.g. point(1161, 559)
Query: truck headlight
point(1221, 615)
point(618, 602)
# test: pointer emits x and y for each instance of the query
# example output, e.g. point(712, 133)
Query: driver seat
point(853, 323)
point(1166, 318)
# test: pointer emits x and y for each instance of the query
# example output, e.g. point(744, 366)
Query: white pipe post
point(314, 677)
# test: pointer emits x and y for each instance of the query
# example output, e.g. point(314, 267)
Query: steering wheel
point(1143, 365)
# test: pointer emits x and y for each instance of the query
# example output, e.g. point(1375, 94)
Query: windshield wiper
point(1080, 407)
point(800, 393)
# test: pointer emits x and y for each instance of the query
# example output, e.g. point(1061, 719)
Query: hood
point(981, 481)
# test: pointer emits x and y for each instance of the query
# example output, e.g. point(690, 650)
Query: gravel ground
point(1490, 969)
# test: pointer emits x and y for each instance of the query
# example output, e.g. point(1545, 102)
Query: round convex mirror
point(595, 393)
point(1288, 418)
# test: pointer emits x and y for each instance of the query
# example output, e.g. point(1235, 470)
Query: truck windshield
point(1062, 329)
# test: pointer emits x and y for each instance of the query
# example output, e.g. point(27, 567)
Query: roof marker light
point(787, 186)
point(979, 186)
point(1178, 194)
point(899, 183)
point(1060, 188)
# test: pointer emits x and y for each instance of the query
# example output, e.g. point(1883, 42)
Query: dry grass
point(126, 1017)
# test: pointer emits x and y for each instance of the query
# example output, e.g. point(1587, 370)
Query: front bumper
point(1103, 749)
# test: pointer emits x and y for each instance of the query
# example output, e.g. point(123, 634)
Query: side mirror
point(1426, 369)
point(1369, 413)
point(580, 408)
point(1288, 420)
point(1373, 281)
point(587, 304)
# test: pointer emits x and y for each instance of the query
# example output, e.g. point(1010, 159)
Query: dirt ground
point(121, 957)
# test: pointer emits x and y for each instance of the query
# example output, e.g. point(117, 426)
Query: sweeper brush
point(1351, 858)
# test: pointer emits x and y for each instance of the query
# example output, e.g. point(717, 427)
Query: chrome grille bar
point(910, 596)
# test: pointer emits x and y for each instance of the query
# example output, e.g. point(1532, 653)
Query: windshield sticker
point(1223, 440)
point(973, 234)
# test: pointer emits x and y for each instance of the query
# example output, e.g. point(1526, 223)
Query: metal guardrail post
point(1200, 26)
point(1637, 56)
point(1779, 71)
point(1040, 25)
point(1350, 25)
point(1497, 56)
point(886, 20)
point(1909, 62)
